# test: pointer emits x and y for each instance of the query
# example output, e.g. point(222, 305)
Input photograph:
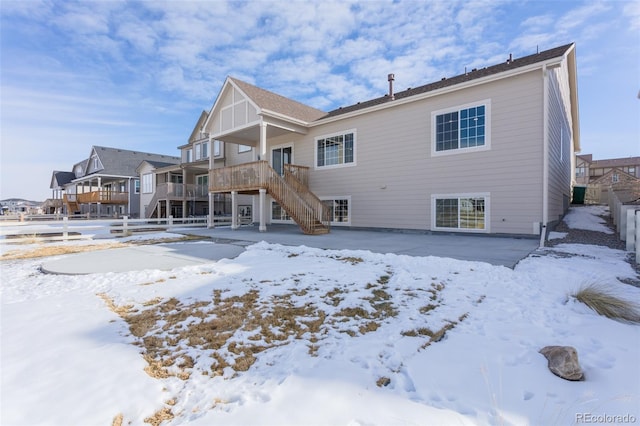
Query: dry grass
point(599, 298)
point(46, 250)
point(117, 420)
point(160, 416)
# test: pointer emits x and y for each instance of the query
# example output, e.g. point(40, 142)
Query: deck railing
point(103, 196)
point(290, 191)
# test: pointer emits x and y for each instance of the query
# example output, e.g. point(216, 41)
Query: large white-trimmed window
point(460, 212)
point(461, 129)
point(217, 148)
point(136, 185)
point(147, 183)
point(336, 150)
point(339, 209)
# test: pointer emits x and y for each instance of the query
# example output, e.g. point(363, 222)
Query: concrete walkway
point(228, 243)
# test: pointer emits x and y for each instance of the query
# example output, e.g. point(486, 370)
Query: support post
point(234, 210)
point(125, 226)
point(65, 228)
point(263, 210)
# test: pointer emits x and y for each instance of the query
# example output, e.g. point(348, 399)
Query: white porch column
point(234, 210)
point(212, 202)
point(211, 219)
point(185, 194)
point(98, 210)
point(263, 141)
point(263, 210)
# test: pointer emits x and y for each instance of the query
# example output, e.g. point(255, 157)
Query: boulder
point(563, 362)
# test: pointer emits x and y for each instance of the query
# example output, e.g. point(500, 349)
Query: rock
point(563, 362)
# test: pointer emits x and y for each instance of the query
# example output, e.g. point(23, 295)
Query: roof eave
point(438, 92)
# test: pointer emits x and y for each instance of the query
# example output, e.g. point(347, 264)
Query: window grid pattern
point(338, 210)
point(460, 213)
point(447, 131)
point(335, 150)
point(472, 127)
point(465, 128)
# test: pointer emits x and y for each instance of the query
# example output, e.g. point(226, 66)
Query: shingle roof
point(123, 162)
point(62, 178)
point(274, 102)
point(616, 162)
point(447, 82)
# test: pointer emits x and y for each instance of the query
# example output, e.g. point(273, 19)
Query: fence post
point(637, 237)
point(631, 229)
point(65, 228)
point(125, 230)
point(170, 221)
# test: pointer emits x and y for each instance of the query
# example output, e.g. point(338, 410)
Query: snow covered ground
point(296, 335)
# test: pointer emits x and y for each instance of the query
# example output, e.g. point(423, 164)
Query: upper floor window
point(244, 148)
point(217, 148)
point(147, 183)
point(336, 150)
point(205, 149)
point(187, 156)
point(136, 184)
point(198, 151)
point(461, 128)
point(580, 171)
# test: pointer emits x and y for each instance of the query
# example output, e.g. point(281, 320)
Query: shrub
point(604, 302)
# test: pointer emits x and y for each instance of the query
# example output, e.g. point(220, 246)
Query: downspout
point(545, 155)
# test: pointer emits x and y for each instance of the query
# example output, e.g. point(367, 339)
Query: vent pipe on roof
point(391, 77)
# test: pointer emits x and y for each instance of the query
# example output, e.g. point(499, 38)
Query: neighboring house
point(59, 180)
point(608, 171)
point(488, 151)
point(181, 189)
point(105, 184)
point(19, 206)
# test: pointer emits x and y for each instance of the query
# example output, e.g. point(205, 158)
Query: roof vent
point(391, 78)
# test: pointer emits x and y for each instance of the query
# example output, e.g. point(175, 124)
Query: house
point(182, 189)
point(104, 184)
point(488, 151)
point(607, 171)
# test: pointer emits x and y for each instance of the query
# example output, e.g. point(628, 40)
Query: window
point(465, 213)
point(205, 150)
point(460, 129)
point(136, 185)
point(336, 150)
point(615, 178)
point(198, 151)
point(338, 210)
point(278, 213)
point(147, 183)
point(580, 171)
point(243, 148)
point(217, 148)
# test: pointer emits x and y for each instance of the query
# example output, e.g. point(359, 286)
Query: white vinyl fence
point(626, 218)
point(65, 229)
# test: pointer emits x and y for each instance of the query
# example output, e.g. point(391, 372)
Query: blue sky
point(136, 75)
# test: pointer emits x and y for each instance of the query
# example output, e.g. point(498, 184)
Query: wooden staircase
point(299, 202)
point(290, 191)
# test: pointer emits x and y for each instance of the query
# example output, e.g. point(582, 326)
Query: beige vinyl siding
point(560, 143)
point(395, 175)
